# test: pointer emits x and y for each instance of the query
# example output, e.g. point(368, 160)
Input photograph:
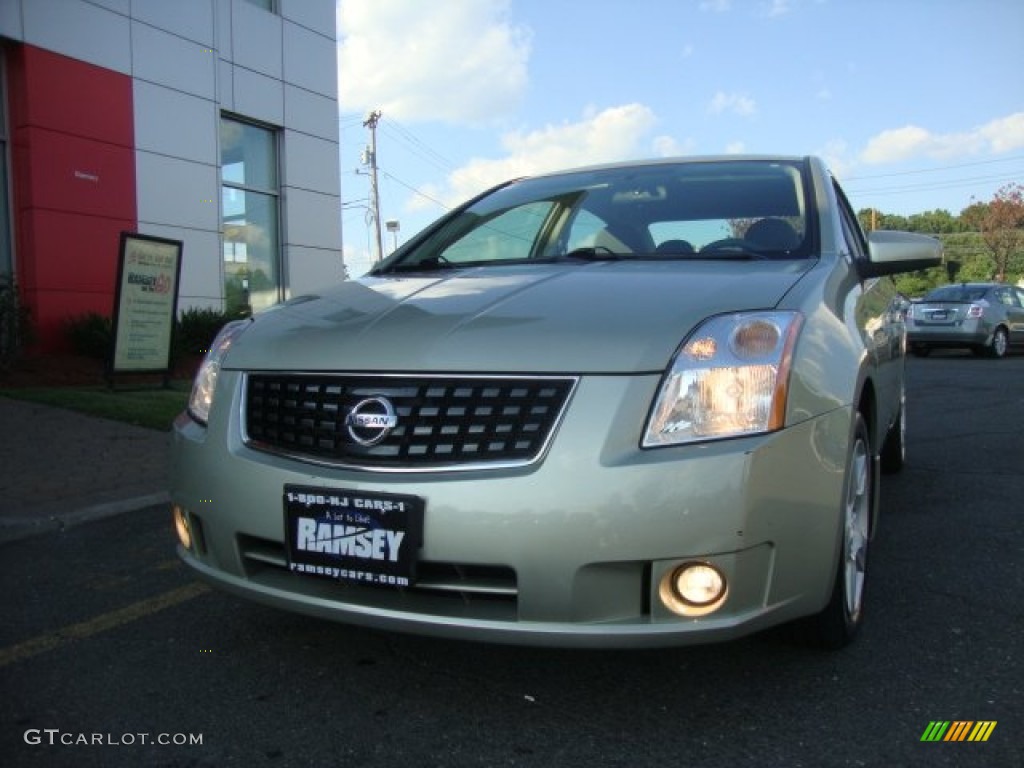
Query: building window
point(250, 195)
point(267, 5)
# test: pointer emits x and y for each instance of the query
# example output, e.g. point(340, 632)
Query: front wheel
point(894, 449)
point(837, 624)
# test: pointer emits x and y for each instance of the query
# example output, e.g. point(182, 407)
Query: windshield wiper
point(594, 253)
point(432, 264)
point(729, 253)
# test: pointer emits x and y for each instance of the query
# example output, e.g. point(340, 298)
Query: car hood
point(603, 317)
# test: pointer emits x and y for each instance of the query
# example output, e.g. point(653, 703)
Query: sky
point(915, 105)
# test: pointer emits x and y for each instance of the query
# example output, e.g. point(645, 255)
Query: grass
point(153, 408)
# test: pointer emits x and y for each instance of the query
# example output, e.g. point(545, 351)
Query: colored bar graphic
point(935, 731)
point(958, 730)
point(982, 730)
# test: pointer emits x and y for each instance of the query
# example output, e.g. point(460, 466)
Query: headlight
point(205, 383)
point(729, 378)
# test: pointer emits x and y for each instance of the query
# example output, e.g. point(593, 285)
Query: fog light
point(693, 589)
point(182, 527)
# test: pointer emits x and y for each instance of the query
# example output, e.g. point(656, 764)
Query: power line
point(417, 145)
point(938, 169)
point(413, 189)
point(929, 186)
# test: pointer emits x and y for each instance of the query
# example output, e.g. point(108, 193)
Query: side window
point(852, 232)
point(584, 230)
point(1008, 296)
point(510, 235)
point(1019, 293)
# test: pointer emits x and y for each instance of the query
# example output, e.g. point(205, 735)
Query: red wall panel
point(65, 172)
point(73, 163)
point(75, 245)
point(72, 97)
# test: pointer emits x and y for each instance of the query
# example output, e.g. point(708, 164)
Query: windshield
point(707, 209)
point(957, 293)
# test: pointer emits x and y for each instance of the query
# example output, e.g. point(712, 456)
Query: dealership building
point(209, 122)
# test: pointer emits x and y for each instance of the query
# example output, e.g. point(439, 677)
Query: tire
point(1000, 341)
point(840, 620)
point(894, 449)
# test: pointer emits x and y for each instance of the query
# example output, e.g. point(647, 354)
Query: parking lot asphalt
point(59, 468)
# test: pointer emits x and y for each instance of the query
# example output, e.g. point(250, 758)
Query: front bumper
point(569, 551)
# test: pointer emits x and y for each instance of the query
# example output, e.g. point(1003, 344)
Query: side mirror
point(890, 253)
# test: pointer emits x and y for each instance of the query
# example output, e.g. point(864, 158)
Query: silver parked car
point(983, 317)
point(629, 405)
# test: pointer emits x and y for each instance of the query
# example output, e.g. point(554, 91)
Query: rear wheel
point(1000, 341)
point(837, 624)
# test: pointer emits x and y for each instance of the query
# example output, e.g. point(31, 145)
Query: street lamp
point(393, 226)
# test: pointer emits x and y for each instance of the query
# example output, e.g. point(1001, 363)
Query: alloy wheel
point(999, 343)
point(857, 514)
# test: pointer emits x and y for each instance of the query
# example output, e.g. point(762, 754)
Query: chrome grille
point(442, 422)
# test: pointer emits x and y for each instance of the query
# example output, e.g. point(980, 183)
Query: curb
point(19, 528)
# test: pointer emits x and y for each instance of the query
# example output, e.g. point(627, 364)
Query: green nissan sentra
point(631, 405)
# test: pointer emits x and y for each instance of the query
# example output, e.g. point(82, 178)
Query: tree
point(937, 222)
point(1001, 224)
point(871, 219)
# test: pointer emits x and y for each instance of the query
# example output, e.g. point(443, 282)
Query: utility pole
point(370, 159)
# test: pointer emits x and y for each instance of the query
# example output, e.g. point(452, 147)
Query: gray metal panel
point(310, 60)
point(311, 163)
point(256, 39)
point(166, 59)
point(192, 20)
point(84, 31)
point(177, 192)
point(258, 96)
point(175, 124)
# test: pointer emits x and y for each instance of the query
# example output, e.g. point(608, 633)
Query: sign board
point(146, 303)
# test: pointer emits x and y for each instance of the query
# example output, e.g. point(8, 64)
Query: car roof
point(679, 160)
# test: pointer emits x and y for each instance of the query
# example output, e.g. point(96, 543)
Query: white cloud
point(669, 146)
point(737, 103)
point(735, 148)
point(1004, 134)
point(896, 144)
point(777, 8)
point(835, 153)
point(616, 133)
point(460, 60)
point(716, 6)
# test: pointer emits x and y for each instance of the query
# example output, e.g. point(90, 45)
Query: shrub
point(195, 330)
point(90, 334)
point(15, 325)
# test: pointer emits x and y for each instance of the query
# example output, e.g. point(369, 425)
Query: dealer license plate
point(355, 536)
